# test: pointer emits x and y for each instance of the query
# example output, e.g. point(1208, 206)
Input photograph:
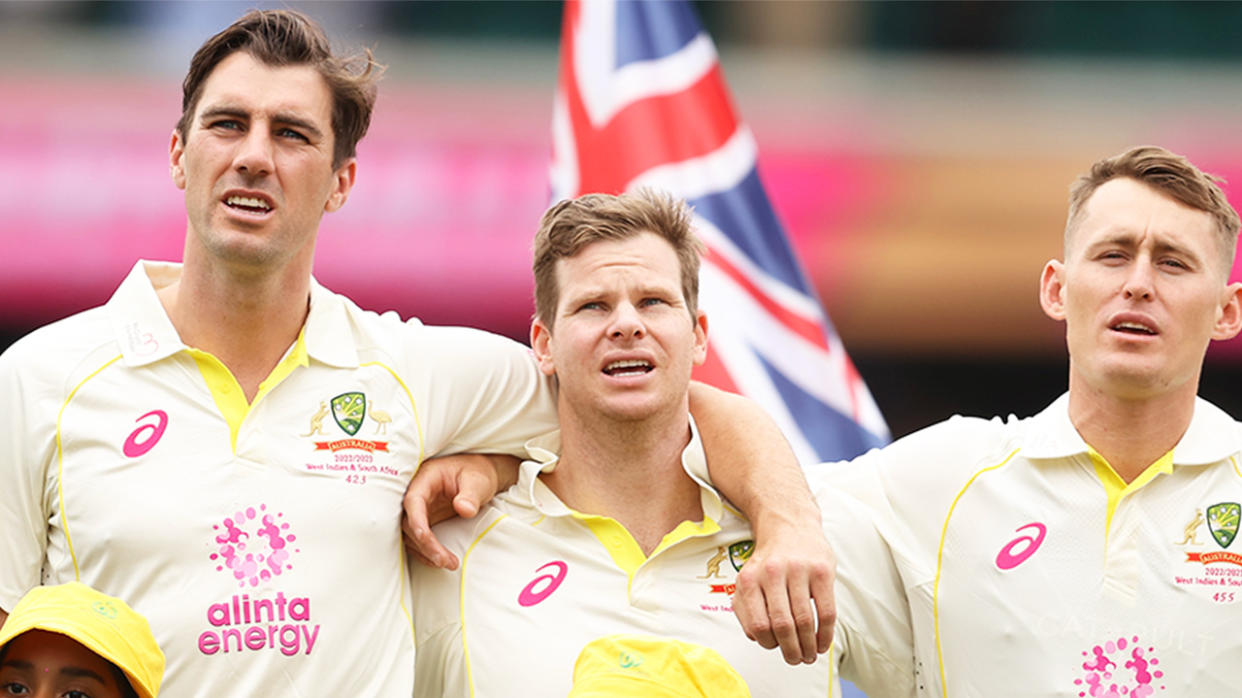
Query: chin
point(633, 410)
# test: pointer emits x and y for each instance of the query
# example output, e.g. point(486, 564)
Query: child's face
point(39, 664)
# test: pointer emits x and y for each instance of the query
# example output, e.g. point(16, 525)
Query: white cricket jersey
point(538, 581)
point(261, 541)
point(1032, 569)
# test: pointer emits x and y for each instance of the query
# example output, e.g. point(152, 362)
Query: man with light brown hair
point(621, 534)
point(1052, 555)
point(157, 447)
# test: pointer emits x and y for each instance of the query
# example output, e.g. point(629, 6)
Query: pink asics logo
point(530, 596)
point(1021, 548)
point(145, 437)
point(1102, 673)
point(253, 567)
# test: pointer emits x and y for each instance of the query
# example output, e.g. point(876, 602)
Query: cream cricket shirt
point(1033, 570)
point(260, 541)
point(539, 581)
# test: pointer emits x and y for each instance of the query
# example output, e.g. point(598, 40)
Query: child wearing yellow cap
point(71, 639)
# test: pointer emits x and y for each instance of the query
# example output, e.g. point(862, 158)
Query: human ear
point(540, 344)
point(1052, 290)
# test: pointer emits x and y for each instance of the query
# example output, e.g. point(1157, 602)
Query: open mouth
point(1136, 328)
point(628, 367)
point(249, 204)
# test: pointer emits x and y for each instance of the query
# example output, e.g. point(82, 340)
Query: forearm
point(751, 463)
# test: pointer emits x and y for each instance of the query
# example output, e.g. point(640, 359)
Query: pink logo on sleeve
point(1135, 678)
point(1022, 547)
point(270, 545)
point(145, 437)
point(541, 587)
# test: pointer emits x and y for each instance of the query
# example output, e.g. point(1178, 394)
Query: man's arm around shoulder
point(784, 592)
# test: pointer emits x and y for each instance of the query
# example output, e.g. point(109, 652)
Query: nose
point(254, 154)
point(626, 323)
point(1138, 282)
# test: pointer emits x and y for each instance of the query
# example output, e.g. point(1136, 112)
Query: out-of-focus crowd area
point(918, 153)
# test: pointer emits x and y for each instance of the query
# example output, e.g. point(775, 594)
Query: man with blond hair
point(158, 449)
point(1055, 555)
point(620, 542)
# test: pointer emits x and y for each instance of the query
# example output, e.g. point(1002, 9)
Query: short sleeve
point(483, 393)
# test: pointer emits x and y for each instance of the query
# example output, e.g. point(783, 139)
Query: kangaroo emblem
point(713, 563)
point(316, 423)
point(1192, 528)
point(382, 419)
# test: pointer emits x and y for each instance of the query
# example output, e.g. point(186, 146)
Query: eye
point(1173, 263)
point(15, 689)
point(591, 305)
point(76, 694)
point(290, 133)
point(647, 302)
point(226, 125)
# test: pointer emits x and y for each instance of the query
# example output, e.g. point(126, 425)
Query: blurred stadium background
point(919, 154)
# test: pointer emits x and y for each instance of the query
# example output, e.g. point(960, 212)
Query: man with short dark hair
point(226, 444)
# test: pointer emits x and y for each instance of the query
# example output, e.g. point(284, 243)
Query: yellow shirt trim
point(418, 422)
point(227, 392)
point(626, 552)
point(1116, 488)
point(944, 532)
point(461, 601)
point(60, 467)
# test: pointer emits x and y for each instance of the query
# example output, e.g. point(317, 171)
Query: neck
point(630, 471)
point(247, 322)
point(1131, 433)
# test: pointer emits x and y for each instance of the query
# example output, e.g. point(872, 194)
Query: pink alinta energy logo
point(1120, 669)
point(268, 542)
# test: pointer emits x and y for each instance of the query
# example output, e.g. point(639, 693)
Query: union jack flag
point(642, 102)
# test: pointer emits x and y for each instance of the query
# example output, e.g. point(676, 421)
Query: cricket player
point(1085, 551)
point(226, 444)
point(621, 534)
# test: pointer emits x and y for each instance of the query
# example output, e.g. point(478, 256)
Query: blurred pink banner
point(438, 226)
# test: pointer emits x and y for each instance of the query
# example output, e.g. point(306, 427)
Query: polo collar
point(146, 334)
point(139, 322)
point(329, 331)
point(1211, 437)
point(544, 454)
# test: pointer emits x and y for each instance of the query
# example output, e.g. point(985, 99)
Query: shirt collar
point(544, 454)
point(146, 334)
point(142, 328)
point(329, 336)
point(1212, 435)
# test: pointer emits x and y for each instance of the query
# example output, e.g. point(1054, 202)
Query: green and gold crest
point(740, 552)
point(1222, 521)
point(348, 409)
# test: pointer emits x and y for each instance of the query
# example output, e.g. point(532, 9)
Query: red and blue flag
point(642, 102)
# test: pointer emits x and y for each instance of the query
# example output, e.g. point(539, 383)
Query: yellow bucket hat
point(103, 624)
point(651, 667)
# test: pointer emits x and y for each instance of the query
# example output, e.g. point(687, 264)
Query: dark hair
point(286, 37)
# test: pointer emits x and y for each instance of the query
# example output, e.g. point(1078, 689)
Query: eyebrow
point(76, 672)
point(279, 118)
point(79, 672)
point(1161, 245)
